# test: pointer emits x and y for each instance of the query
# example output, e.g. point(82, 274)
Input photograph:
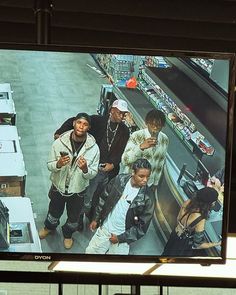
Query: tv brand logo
point(42, 257)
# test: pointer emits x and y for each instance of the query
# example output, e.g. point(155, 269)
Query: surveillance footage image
point(114, 156)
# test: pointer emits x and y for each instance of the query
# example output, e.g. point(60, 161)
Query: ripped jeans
point(58, 202)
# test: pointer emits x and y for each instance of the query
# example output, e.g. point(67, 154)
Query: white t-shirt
point(115, 222)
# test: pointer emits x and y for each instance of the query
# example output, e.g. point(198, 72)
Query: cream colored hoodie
point(76, 180)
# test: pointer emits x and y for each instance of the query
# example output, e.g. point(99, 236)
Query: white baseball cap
point(121, 105)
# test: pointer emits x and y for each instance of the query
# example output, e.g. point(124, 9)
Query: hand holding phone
point(63, 160)
point(148, 143)
point(63, 154)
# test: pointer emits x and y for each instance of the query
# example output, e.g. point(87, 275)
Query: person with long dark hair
point(188, 235)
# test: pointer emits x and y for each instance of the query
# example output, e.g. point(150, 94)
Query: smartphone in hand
point(63, 154)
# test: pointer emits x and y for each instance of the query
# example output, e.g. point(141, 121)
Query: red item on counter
point(131, 83)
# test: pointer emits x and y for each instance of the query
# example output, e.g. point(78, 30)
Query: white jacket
point(72, 175)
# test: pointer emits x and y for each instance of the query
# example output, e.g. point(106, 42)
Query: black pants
point(74, 205)
point(96, 186)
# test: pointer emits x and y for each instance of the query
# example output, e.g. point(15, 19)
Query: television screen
point(115, 155)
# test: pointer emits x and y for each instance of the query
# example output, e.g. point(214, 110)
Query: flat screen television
point(46, 86)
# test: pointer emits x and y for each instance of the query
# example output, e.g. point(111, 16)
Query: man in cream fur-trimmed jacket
point(73, 161)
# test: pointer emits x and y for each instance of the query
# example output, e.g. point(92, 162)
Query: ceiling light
point(102, 267)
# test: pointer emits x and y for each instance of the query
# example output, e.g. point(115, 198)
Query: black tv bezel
point(228, 150)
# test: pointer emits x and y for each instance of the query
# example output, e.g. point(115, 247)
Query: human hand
point(108, 167)
point(63, 160)
point(216, 184)
point(113, 239)
point(82, 163)
point(93, 225)
point(149, 142)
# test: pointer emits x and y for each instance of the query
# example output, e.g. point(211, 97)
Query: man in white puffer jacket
point(73, 161)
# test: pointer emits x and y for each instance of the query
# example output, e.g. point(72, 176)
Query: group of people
point(99, 169)
point(84, 162)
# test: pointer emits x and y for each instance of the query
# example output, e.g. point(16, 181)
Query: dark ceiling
point(201, 25)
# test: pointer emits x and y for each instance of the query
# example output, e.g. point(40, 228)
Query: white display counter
point(21, 214)
point(7, 106)
point(12, 168)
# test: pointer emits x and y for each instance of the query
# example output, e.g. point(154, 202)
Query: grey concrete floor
point(48, 88)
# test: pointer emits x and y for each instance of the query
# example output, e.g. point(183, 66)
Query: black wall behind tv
point(187, 25)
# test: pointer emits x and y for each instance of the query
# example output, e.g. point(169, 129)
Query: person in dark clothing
point(124, 212)
point(111, 135)
point(188, 236)
point(66, 126)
